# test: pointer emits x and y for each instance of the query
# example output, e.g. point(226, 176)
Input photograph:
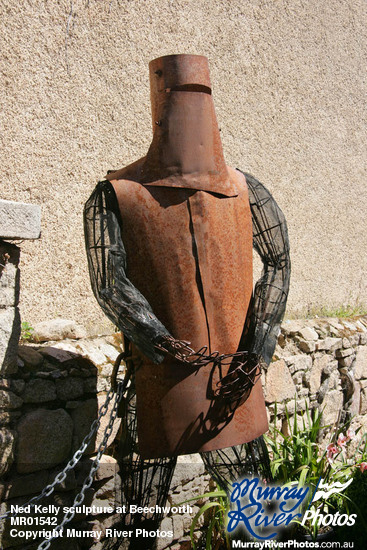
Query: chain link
point(61, 476)
point(95, 464)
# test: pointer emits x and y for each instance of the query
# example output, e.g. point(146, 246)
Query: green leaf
point(213, 494)
point(303, 476)
point(202, 511)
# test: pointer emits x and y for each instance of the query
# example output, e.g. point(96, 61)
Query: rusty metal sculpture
point(169, 242)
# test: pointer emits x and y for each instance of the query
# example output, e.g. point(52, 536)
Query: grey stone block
point(360, 366)
point(332, 404)
point(344, 352)
point(69, 388)
point(347, 361)
point(307, 346)
point(57, 329)
point(308, 333)
point(19, 220)
point(355, 405)
point(291, 328)
point(330, 344)
point(8, 400)
point(298, 362)
point(7, 446)
point(39, 391)
point(84, 415)
point(44, 440)
point(9, 338)
point(27, 484)
point(279, 383)
point(31, 357)
point(9, 275)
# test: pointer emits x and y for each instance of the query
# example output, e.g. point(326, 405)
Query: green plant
point(355, 493)
point(26, 333)
point(296, 460)
point(215, 510)
point(354, 500)
point(296, 456)
point(343, 311)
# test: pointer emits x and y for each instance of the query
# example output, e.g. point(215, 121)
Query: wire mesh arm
point(270, 240)
point(120, 300)
point(127, 308)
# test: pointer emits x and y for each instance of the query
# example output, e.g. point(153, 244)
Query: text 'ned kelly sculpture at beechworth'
point(169, 241)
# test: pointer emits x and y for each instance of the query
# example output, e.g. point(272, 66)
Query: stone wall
point(321, 362)
point(52, 397)
point(48, 405)
point(18, 221)
point(9, 310)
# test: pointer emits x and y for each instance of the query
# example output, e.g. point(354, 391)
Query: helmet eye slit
point(190, 88)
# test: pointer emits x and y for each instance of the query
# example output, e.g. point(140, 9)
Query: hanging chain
point(89, 479)
point(49, 489)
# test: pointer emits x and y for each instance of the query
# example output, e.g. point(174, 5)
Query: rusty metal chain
point(61, 476)
point(95, 465)
point(244, 367)
point(181, 350)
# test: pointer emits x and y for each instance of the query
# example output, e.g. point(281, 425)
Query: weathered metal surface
point(176, 71)
point(201, 296)
point(187, 232)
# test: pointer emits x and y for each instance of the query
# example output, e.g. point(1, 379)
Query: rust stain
point(187, 232)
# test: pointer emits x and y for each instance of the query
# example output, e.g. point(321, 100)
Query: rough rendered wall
point(289, 89)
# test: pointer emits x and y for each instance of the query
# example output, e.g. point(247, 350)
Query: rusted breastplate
point(190, 254)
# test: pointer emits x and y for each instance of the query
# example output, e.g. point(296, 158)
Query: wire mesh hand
point(244, 372)
point(181, 350)
point(244, 368)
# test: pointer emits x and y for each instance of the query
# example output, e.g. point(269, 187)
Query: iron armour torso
point(190, 254)
point(116, 280)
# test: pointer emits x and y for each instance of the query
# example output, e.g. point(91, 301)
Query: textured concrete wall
point(289, 89)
